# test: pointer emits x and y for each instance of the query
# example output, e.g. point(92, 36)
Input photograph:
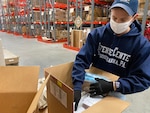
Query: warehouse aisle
point(33, 52)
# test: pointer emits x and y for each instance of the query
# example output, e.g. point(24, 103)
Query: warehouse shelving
point(79, 6)
point(37, 18)
point(48, 23)
point(3, 17)
point(24, 19)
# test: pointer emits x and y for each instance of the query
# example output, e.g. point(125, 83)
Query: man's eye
point(114, 19)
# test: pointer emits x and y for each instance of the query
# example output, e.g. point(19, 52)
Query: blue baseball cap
point(130, 6)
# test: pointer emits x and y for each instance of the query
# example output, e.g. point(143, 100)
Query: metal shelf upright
point(1, 16)
point(144, 19)
point(78, 6)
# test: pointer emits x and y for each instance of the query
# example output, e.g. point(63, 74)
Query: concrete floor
point(33, 52)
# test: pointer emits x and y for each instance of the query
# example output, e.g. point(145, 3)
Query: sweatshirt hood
point(135, 29)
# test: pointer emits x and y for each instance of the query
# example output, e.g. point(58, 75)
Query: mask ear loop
point(135, 17)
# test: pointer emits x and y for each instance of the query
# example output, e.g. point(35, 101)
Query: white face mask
point(119, 28)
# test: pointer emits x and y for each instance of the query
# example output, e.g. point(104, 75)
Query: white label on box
point(58, 93)
point(50, 12)
point(32, 26)
point(52, 88)
point(71, 10)
point(63, 98)
point(42, 13)
point(51, 27)
point(70, 29)
point(42, 27)
point(86, 8)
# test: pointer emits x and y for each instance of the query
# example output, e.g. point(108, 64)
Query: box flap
point(61, 71)
point(104, 73)
point(15, 102)
point(108, 105)
point(18, 78)
point(35, 101)
point(18, 86)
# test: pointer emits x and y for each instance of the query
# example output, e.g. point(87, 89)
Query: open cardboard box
point(18, 88)
point(60, 92)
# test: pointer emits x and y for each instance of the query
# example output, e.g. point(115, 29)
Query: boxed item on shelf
point(36, 15)
point(24, 29)
point(60, 92)
point(37, 3)
point(61, 1)
point(60, 15)
point(10, 58)
point(141, 1)
point(78, 38)
point(59, 34)
point(3, 2)
point(63, 34)
point(99, 12)
point(10, 1)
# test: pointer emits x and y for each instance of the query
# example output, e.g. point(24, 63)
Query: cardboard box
point(60, 92)
point(33, 106)
point(77, 38)
point(18, 87)
point(10, 58)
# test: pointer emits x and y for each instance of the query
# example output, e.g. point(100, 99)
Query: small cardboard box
point(18, 86)
point(78, 38)
point(10, 58)
point(60, 92)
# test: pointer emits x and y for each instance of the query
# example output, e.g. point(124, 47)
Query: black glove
point(101, 87)
point(77, 97)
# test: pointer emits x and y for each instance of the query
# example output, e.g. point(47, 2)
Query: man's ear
point(135, 16)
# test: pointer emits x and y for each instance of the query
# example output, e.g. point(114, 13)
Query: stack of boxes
point(100, 14)
point(78, 38)
point(60, 15)
point(141, 10)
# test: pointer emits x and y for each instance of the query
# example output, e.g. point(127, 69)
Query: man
point(118, 48)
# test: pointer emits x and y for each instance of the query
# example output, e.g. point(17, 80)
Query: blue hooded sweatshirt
point(127, 56)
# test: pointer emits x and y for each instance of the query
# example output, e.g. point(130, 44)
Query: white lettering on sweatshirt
point(113, 56)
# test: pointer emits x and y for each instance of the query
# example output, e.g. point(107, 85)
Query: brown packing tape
point(35, 101)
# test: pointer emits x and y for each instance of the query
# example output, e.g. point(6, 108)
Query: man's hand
point(101, 87)
point(77, 97)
